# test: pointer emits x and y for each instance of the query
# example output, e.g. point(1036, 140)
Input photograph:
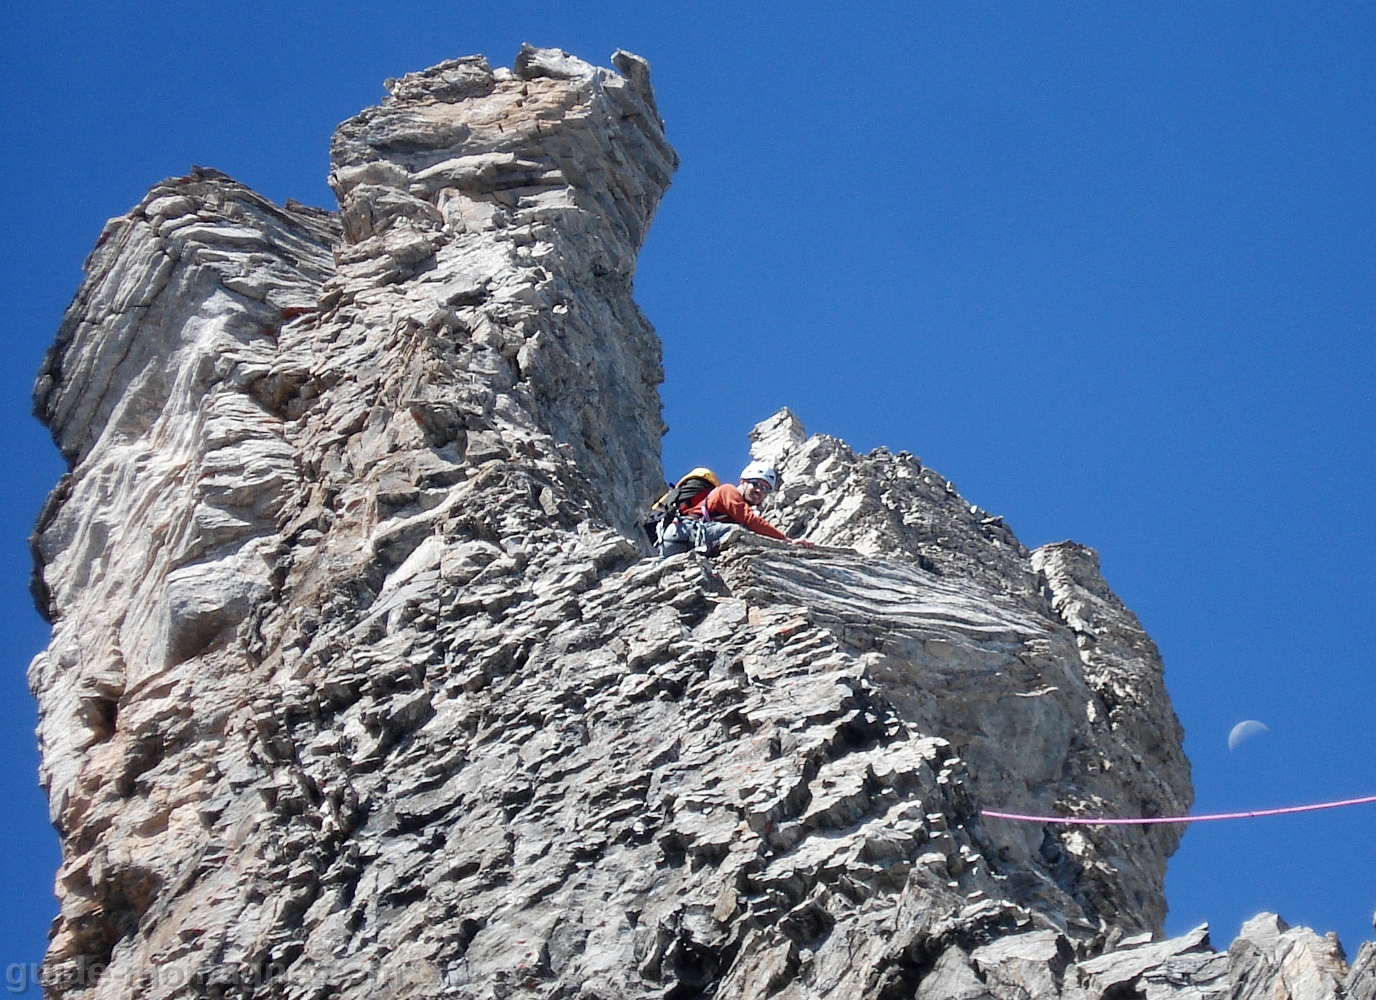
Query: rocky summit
point(363, 682)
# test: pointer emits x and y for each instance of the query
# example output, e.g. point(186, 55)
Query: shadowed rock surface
point(361, 684)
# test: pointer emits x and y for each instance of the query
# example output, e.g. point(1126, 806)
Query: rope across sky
point(1156, 820)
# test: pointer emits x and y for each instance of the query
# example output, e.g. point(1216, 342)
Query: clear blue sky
point(1107, 267)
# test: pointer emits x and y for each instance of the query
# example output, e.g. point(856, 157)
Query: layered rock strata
point(361, 683)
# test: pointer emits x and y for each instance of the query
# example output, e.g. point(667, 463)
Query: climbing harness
point(1157, 820)
point(682, 511)
point(678, 500)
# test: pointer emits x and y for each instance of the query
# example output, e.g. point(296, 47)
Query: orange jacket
point(725, 503)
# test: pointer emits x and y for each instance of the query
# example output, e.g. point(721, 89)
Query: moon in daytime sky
point(1244, 731)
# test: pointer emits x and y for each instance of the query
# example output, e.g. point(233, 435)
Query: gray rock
point(952, 978)
point(1271, 959)
point(1025, 965)
point(1361, 980)
point(360, 683)
point(1108, 974)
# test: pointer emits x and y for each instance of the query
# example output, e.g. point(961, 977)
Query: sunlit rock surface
point(362, 685)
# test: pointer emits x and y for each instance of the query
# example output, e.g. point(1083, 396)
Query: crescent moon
point(1244, 731)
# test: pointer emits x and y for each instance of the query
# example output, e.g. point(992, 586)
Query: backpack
point(689, 491)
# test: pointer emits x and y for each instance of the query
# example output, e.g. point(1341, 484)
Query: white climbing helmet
point(764, 473)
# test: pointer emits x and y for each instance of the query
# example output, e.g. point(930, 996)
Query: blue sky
point(1109, 268)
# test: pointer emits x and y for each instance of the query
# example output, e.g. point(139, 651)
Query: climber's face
point(754, 491)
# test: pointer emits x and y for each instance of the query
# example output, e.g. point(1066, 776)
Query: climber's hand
point(804, 543)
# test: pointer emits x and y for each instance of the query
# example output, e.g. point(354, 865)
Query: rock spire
point(362, 685)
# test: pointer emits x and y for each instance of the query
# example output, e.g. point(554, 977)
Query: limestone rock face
point(361, 683)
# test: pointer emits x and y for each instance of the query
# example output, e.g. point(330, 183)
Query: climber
point(701, 521)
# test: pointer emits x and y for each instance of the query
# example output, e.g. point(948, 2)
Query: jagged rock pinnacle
point(361, 684)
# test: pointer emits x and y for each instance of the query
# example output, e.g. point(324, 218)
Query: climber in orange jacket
point(703, 526)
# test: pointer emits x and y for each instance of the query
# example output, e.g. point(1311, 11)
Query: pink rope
point(1150, 820)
